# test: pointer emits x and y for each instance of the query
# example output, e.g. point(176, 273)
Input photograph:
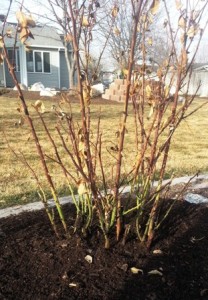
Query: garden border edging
point(35, 206)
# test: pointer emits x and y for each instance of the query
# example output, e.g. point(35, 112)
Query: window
point(46, 62)
point(14, 59)
point(38, 61)
point(29, 58)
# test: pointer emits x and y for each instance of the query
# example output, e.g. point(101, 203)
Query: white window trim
point(34, 72)
point(17, 53)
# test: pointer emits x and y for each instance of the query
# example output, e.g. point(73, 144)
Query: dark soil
point(36, 96)
point(36, 265)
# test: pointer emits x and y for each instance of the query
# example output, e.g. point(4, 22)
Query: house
point(44, 62)
point(195, 82)
point(199, 80)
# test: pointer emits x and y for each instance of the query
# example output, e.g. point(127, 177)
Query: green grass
point(188, 153)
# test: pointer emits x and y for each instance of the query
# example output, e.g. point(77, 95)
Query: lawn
point(188, 153)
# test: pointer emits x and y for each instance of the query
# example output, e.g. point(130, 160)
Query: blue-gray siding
point(47, 79)
point(9, 80)
point(51, 79)
point(2, 83)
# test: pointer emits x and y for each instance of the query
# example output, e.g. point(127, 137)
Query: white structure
point(198, 82)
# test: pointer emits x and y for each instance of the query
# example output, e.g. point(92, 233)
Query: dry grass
point(188, 154)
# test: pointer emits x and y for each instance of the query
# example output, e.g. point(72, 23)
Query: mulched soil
point(34, 264)
point(36, 96)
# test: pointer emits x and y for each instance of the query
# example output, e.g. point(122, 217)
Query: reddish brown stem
point(35, 137)
point(124, 119)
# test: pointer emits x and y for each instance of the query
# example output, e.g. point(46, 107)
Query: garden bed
point(31, 95)
point(35, 265)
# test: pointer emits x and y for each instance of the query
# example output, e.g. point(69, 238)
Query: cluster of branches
point(153, 133)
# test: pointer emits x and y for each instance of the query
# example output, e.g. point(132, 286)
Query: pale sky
point(38, 10)
point(32, 5)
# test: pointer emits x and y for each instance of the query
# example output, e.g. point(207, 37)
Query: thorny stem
point(155, 130)
point(82, 104)
point(97, 143)
point(125, 114)
point(41, 193)
point(91, 174)
point(79, 169)
point(55, 148)
point(101, 164)
point(35, 137)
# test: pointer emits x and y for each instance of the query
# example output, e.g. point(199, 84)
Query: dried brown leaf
point(39, 105)
point(24, 20)
point(1, 41)
point(184, 59)
point(139, 28)
point(85, 22)
point(116, 31)
point(1, 58)
point(149, 41)
point(27, 47)
point(125, 71)
point(151, 110)
point(24, 35)
point(178, 4)
point(82, 147)
point(30, 34)
point(182, 38)
point(82, 188)
point(195, 14)
point(86, 95)
point(148, 91)
point(166, 63)
point(150, 19)
point(115, 11)
point(182, 22)
point(69, 37)
point(192, 31)
point(171, 68)
point(21, 18)
point(154, 7)
point(160, 72)
point(30, 21)
point(166, 91)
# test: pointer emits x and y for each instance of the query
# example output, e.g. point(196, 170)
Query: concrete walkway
point(18, 209)
point(199, 182)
